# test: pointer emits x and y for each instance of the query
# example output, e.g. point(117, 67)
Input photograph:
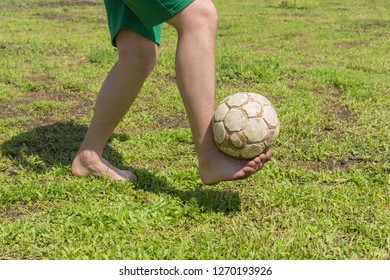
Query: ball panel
point(234, 119)
point(255, 130)
point(270, 116)
point(253, 150)
point(237, 99)
point(238, 139)
point(220, 113)
point(259, 98)
point(219, 132)
point(230, 152)
point(252, 109)
point(270, 138)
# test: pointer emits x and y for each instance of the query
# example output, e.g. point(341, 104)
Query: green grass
point(325, 195)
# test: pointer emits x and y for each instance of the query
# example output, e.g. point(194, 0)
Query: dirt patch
point(13, 8)
point(5, 111)
point(69, 17)
point(172, 121)
point(373, 26)
point(327, 164)
point(337, 115)
point(12, 212)
point(351, 44)
point(76, 106)
point(340, 164)
point(57, 16)
point(65, 3)
point(10, 170)
point(66, 16)
point(20, 209)
point(47, 89)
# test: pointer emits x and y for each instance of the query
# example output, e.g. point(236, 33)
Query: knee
point(142, 60)
point(198, 16)
point(138, 53)
point(206, 16)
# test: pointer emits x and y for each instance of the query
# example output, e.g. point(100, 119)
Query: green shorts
point(143, 16)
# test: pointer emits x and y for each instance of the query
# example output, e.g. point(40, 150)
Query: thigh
point(131, 44)
point(154, 12)
point(121, 17)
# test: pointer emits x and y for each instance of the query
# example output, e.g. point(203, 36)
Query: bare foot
point(217, 166)
point(89, 163)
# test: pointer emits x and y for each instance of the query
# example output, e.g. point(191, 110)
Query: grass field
point(325, 65)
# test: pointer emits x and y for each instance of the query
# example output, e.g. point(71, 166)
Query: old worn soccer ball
point(245, 124)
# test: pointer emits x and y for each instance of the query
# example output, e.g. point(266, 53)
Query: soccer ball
point(245, 124)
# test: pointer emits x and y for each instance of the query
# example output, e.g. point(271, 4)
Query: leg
point(195, 69)
point(137, 57)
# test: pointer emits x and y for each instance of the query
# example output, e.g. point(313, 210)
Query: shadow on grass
point(55, 145)
point(209, 200)
point(44, 147)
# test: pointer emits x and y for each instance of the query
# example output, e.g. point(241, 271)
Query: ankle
point(86, 157)
point(89, 153)
point(208, 157)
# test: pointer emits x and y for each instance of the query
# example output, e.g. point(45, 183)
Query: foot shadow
point(208, 200)
point(46, 147)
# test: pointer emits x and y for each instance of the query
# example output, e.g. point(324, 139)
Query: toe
point(131, 176)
